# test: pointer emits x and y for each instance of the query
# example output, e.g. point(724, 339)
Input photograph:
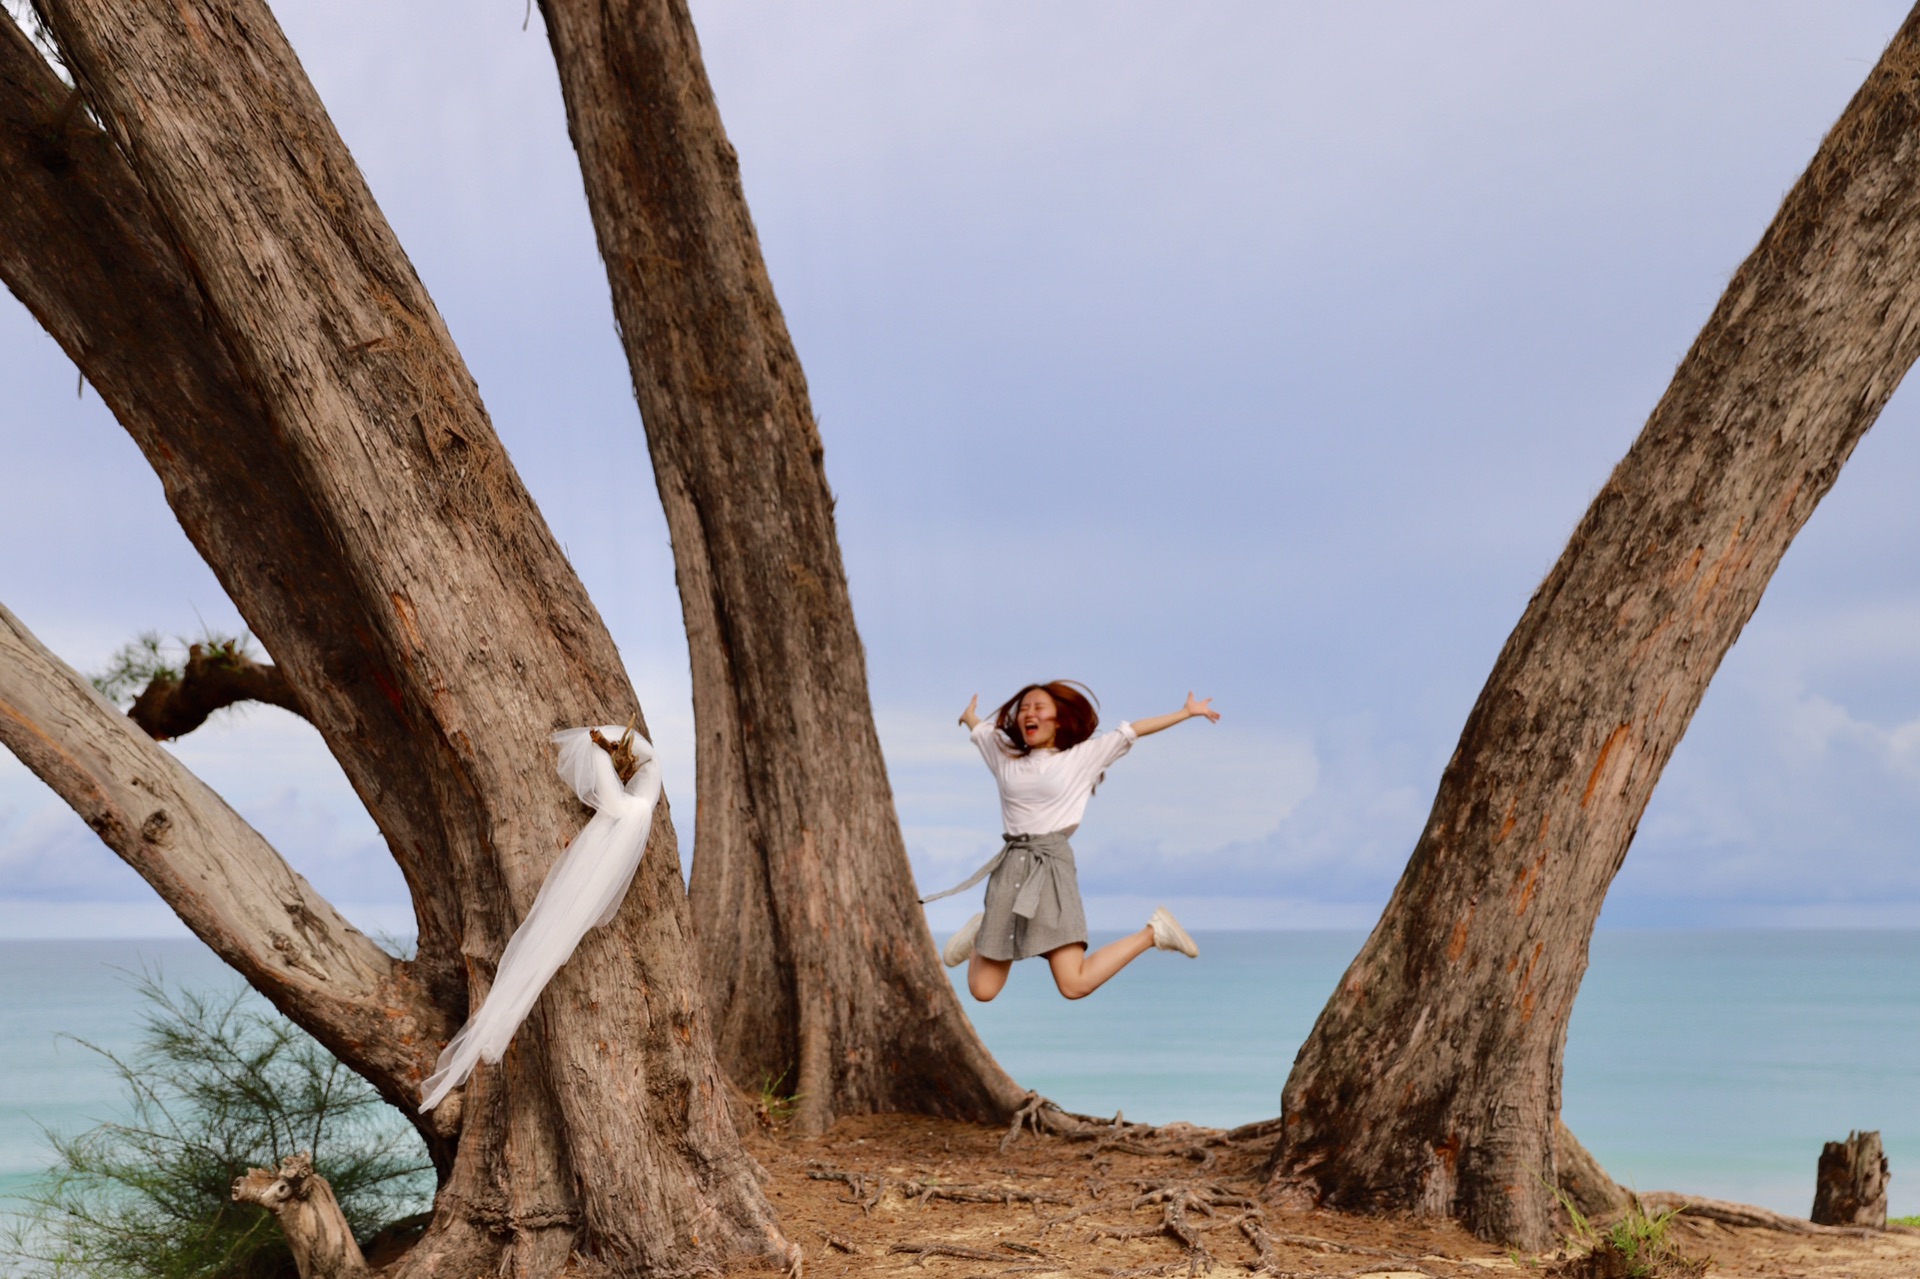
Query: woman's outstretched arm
point(1193, 708)
point(970, 717)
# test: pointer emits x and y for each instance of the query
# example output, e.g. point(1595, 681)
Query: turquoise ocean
point(1714, 1062)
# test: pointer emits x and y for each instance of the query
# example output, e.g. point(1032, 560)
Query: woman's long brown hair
point(1076, 715)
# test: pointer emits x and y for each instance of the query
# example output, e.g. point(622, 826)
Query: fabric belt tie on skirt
point(1042, 847)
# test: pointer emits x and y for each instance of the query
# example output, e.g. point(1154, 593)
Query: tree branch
point(215, 678)
point(227, 883)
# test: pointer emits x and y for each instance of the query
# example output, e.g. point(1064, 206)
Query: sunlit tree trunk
point(820, 971)
point(1431, 1081)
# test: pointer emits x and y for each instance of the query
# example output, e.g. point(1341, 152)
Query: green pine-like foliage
point(217, 1085)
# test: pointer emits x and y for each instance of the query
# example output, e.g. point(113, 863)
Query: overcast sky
point(1266, 349)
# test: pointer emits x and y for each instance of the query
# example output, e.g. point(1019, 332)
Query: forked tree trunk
point(1431, 1081)
point(820, 971)
point(449, 633)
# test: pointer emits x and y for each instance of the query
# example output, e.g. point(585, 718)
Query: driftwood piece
point(302, 1202)
point(1850, 1187)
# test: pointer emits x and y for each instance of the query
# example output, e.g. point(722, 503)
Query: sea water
point(1710, 1062)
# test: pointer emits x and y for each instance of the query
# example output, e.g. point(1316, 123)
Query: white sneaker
point(960, 946)
point(1168, 935)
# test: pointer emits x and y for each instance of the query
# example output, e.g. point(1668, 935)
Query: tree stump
point(317, 1231)
point(1851, 1186)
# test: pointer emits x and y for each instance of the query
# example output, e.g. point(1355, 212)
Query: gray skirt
point(1033, 898)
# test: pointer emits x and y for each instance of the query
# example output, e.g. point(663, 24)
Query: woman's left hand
point(1200, 706)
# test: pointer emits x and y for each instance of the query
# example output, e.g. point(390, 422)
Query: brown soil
point(867, 1198)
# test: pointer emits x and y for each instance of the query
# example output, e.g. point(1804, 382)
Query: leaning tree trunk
point(820, 972)
point(1431, 1081)
point(423, 613)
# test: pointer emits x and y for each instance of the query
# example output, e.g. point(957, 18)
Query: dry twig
point(923, 1191)
point(839, 1242)
point(921, 1251)
point(624, 763)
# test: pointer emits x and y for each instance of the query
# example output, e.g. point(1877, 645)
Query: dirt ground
point(894, 1195)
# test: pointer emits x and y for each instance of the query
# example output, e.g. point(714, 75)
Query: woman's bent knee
point(987, 977)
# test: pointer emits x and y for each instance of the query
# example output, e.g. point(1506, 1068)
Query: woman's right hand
point(970, 717)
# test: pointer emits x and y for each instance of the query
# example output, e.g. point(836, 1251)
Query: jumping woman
point(1046, 759)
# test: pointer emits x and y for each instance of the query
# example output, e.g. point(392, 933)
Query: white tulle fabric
point(582, 891)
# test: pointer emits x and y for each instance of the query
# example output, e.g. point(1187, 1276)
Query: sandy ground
point(871, 1195)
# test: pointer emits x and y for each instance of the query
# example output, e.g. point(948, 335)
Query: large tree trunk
point(448, 633)
point(1432, 1079)
point(820, 972)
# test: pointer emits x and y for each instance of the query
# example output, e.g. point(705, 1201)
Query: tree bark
point(1850, 1187)
point(820, 971)
point(302, 1202)
point(1432, 1079)
point(605, 1131)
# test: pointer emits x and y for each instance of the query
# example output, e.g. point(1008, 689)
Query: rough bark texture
point(216, 872)
point(450, 637)
point(820, 971)
point(1432, 1078)
point(1850, 1187)
point(213, 679)
point(302, 1202)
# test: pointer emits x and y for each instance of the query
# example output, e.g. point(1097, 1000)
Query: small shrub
point(772, 1107)
point(216, 1086)
point(1640, 1245)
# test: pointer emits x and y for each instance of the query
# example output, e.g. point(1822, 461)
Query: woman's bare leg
point(1079, 974)
point(986, 977)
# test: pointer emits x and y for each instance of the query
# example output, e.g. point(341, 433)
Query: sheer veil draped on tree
point(583, 890)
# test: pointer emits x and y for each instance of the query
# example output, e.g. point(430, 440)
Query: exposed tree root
point(1728, 1213)
point(1175, 1202)
point(1254, 1227)
point(1188, 1141)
